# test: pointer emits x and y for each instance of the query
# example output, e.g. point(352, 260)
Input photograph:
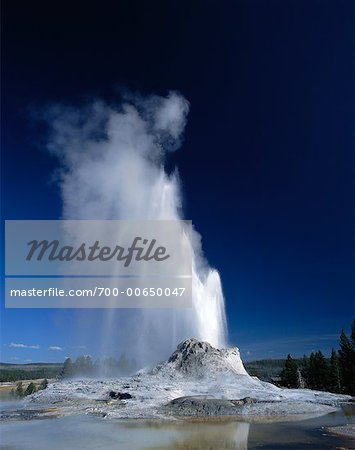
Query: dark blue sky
point(267, 164)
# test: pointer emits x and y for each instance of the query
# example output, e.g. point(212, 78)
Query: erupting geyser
point(112, 160)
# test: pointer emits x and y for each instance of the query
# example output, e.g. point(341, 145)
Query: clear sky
point(267, 163)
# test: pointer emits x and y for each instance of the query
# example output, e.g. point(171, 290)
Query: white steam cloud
point(112, 167)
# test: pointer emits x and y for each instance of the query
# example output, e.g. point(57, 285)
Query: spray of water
point(112, 167)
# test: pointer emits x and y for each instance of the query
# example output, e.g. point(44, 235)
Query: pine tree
point(89, 366)
point(289, 374)
point(83, 366)
point(321, 371)
point(317, 373)
point(19, 389)
point(31, 389)
point(68, 369)
point(352, 336)
point(347, 362)
point(44, 384)
point(79, 365)
point(311, 372)
point(334, 373)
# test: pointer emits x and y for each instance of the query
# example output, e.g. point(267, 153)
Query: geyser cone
point(198, 359)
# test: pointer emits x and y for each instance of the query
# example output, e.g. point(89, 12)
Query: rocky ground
point(196, 381)
point(344, 430)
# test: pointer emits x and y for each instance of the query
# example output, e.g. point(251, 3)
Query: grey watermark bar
point(90, 292)
point(98, 247)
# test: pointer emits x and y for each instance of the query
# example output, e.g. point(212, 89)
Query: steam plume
point(112, 167)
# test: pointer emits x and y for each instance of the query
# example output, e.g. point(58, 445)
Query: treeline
point(83, 366)
point(265, 369)
point(20, 391)
point(336, 374)
point(14, 374)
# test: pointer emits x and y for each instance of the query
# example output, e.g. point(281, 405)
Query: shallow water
point(88, 433)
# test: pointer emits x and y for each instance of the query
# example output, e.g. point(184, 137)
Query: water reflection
point(92, 433)
point(213, 436)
